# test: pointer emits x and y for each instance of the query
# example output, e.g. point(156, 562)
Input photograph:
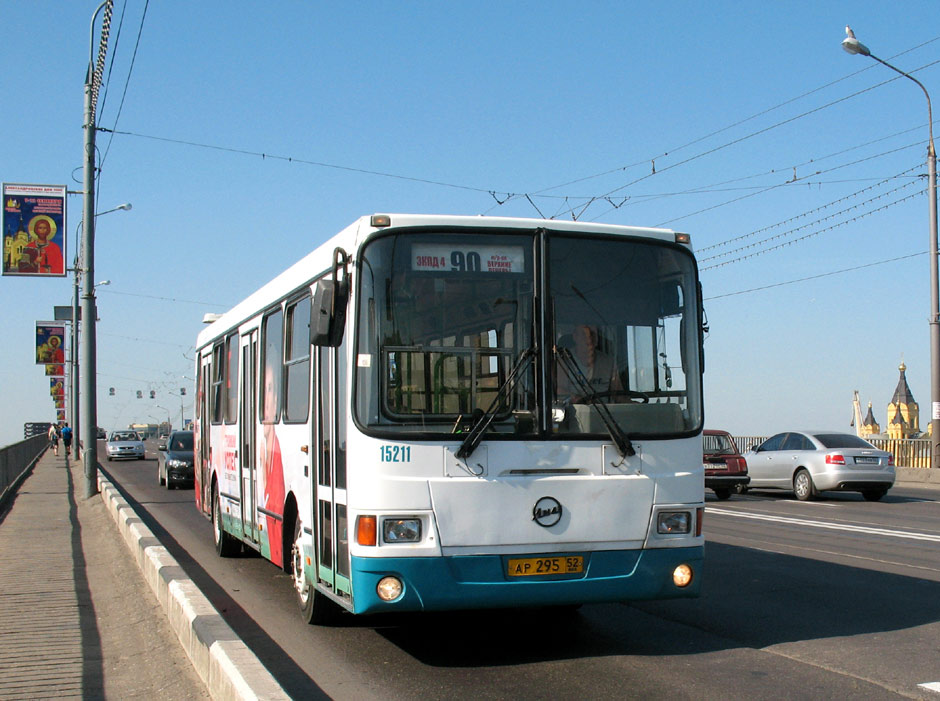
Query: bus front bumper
point(483, 581)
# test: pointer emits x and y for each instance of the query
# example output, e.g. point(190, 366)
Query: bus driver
point(597, 366)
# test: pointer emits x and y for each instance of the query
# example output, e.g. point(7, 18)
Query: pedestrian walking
point(67, 437)
point(54, 438)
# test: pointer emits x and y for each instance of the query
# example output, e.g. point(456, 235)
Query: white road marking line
point(931, 686)
point(831, 526)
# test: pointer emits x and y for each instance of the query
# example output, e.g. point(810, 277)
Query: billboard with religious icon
point(34, 230)
point(55, 370)
point(50, 343)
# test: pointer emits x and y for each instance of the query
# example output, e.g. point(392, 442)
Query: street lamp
point(168, 422)
point(126, 206)
point(854, 46)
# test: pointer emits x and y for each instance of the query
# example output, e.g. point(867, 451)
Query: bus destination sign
point(439, 257)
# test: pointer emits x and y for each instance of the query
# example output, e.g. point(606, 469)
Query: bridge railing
point(15, 461)
point(907, 452)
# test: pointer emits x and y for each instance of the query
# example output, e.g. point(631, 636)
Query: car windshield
point(124, 437)
point(182, 442)
point(842, 440)
point(718, 445)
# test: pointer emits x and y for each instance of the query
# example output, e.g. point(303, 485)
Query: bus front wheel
point(314, 606)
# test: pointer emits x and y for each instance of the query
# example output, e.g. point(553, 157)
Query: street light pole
point(854, 46)
point(89, 398)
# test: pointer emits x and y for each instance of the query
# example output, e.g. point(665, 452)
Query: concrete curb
point(229, 669)
point(920, 475)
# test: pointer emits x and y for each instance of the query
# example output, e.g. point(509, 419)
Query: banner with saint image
point(33, 230)
point(50, 343)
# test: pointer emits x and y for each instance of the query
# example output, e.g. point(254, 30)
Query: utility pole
point(89, 398)
point(853, 46)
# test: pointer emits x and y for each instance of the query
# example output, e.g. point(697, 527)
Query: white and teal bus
point(446, 412)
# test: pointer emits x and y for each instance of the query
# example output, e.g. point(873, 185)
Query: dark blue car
point(175, 462)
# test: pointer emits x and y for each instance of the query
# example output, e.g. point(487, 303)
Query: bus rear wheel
point(314, 606)
point(225, 544)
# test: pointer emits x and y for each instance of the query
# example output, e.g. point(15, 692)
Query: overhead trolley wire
point(302, 161)
point(576, 211)
point(803, 214)
point(815, 277)
point(812, 233)
point(127, 81)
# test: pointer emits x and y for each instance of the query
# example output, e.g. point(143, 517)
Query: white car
point(125, 444)
point(809, 462)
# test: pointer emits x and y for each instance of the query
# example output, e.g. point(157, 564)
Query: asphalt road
point(835, 598)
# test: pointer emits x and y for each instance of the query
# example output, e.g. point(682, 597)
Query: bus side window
point(271, 362)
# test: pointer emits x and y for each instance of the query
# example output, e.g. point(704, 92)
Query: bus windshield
point(451, 328)
point(626, 319)
point(442, 320)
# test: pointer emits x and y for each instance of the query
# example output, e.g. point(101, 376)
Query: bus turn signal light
point(365, 530)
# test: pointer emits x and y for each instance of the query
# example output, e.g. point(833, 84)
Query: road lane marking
point(772, 547)
point(931, 686)
point(831, 526)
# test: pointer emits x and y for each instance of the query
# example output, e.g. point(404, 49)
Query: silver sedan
point(125, 444)
point(810, 462)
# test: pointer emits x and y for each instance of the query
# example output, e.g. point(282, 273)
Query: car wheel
point(225, 544)
point(109, 458)
point(803, 485)
point(723, 493)
point(315, 607)
point(874, 494)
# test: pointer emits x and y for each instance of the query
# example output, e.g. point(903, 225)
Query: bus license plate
point(542, 566)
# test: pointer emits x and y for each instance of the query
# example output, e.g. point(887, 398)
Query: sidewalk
point(77, 619)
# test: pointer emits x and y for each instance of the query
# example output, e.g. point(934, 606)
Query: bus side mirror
point(328, 311)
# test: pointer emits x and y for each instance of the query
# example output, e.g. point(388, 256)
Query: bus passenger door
point(247, 431)
point(323, 427)
point(330, 439)
point(202, 418)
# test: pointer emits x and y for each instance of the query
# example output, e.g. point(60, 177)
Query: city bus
point(432, 413)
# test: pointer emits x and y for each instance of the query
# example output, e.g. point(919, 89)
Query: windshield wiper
point(473, 438)
point(620, 439)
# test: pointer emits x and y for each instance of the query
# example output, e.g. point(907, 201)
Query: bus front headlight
point(401, 530)
point(674, 522)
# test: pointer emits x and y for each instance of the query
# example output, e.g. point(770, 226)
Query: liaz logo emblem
point(547, 512)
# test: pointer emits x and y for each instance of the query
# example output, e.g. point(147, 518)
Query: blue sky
point(762, 132)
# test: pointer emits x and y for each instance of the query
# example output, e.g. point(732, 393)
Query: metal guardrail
point(15, 461)
point(907, 452)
